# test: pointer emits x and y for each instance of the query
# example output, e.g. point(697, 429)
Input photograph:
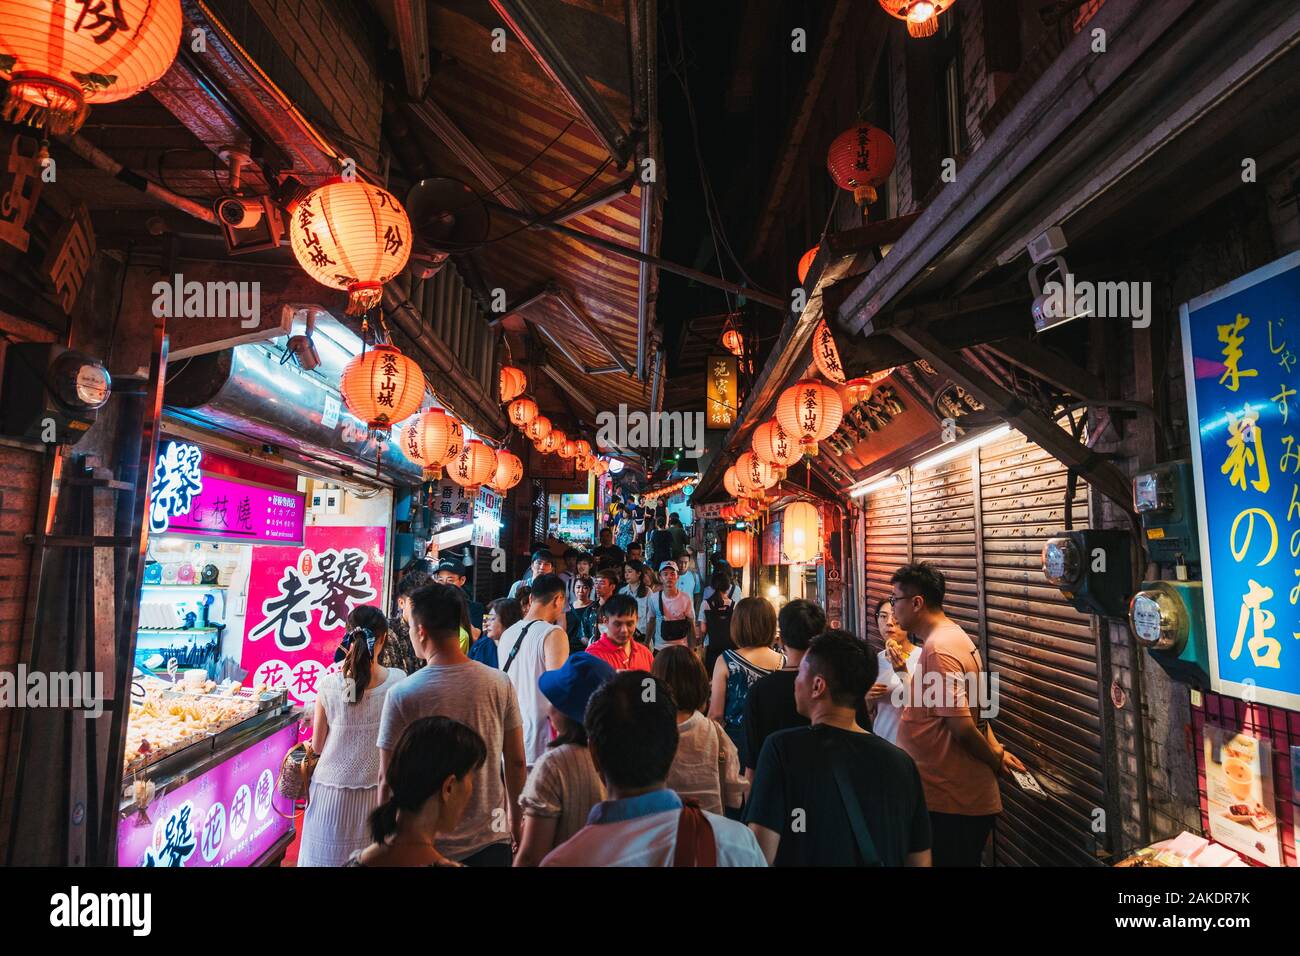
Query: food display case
point(199, 775)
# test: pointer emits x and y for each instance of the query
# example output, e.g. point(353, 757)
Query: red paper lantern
point(727, 512)
point(921, 16)
point(753, 474)
point(731, 481)
point(600, 467)
point(745, 508)
point(733, 342)
point(62, 57)
point(550, 442)
point(567, 449)
point(583, 462)
point(511, 382)
point(827, 354)
point(474, 466)
point(799, 532)
point(509, 471)
point(809, 411)
point(538, 428)
point(805, 263)
point(521, 411)
point(352, 236)
point(432, 439)
point(860, 159)
point(772, 445)
point(382, 387)
point(737, 549)
point(583, 447)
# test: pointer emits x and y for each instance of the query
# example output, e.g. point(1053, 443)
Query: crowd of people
point(610, 711)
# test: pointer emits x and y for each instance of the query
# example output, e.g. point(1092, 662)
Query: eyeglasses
point(894, 600)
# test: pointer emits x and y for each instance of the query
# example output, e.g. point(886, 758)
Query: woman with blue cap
point(563, 785)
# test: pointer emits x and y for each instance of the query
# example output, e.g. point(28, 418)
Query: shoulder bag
point(514, 651)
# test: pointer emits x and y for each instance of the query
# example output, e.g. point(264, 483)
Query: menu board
point(223, 817)
point(1239, 790)
point(1241, 345)
point(186, 499)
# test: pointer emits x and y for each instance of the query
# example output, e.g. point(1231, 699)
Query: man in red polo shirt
point(617, 646)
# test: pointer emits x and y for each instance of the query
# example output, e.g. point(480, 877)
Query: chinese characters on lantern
point(1240, 356)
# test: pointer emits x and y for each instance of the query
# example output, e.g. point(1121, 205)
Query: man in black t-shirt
point(833, 794)
point(770, 704)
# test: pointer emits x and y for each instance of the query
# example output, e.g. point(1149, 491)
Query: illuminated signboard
point(723, 392)
point(1241, 344)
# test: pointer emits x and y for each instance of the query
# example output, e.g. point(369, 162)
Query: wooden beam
point(462, 147)
point(408, 23)
point(569, 388)
point(1096, 470)
point(868, 237)
point(1051, 368)
point(565, 298)
point(559, 346)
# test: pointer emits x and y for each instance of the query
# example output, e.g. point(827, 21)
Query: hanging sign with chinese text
point(186, 500)
point(299, 600)
point(1241, 344)
point(453, 507)
point(722, 392)
point(223, 817)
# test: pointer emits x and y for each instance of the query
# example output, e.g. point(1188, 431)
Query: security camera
point(1047, 246)
point(240, 213)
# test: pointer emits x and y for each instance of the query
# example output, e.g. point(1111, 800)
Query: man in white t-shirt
point(529, 648)
point(674, 610)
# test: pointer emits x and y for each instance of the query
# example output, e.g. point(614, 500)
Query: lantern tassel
point(43, 101)
point(364, 296)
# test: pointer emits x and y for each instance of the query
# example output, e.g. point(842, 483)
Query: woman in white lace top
point(345, 727)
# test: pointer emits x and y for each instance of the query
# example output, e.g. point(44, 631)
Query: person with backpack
point(631, 724)
point(715, 616)
point(530, 648)
point(661, 541)
point(674, 611)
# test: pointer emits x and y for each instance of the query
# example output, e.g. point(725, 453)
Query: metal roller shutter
point(943, 533)
point(1045, 654)
point(887, 529)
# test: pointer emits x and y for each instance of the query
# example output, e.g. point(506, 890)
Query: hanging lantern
point(827, 354)
point(509, 472)
point(61, 58)
point(474, 466)
point(921, 16)
point(733, 341)
point(583, 447)
point(731, 481)
point(860, 159)
point(600, 467)
point(511, 382)
point(772, 445)
point(352, 236)
point(805, 263)
point(809, 411)
point(745, 508)
point(521, 411)
point(753, 474)
point(858, 390)
point(382, 387)
point(537, 428)
point(550, 442)
point(432, 439)
point(727, 512)
point(567, 449)
point(737, 549)
point(583, 462)
point(799, 532)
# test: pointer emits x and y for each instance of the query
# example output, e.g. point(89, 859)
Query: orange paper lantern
point(737, 549)
point(733, 342)
point(351, 236)
point(799, 532)
point(550, 442)
point(805, 263)
point(727, 512)
point(511, 382)
point(432, 439)
point(538, 428)
point(521, 411)
point(731, 481)
point(583, 447)
point(475, 465)
point(753, 474)
point(382, 387)
point(583, 462)
point(921, 16)
point(827, 354)
point(567, 449)
point(509, 472)
point(860, 159)
point(61, 57)
point(809, 411)
point(772, 445)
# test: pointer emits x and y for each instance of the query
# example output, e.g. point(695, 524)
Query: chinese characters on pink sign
point(298, 604)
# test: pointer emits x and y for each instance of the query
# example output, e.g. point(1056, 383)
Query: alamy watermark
point(208, 300)
point(69, 690)
point(636, 429)
point(941, 690)
point(1108, 300)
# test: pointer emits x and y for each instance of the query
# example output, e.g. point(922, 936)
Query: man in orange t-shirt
point(958, 758)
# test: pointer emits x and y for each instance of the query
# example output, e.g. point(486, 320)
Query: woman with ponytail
point(430, 779)
point(345, 729)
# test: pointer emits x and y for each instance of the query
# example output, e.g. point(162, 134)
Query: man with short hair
point(635, 552)
point(608, 552)
point(770, 705)
point(958, 757)
point(530, 648)
point(833, 794)
point(631, 725)
point(452, 572)
point(543, 563)
point(687, 579)
point(618, 646)
point(454, 686)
